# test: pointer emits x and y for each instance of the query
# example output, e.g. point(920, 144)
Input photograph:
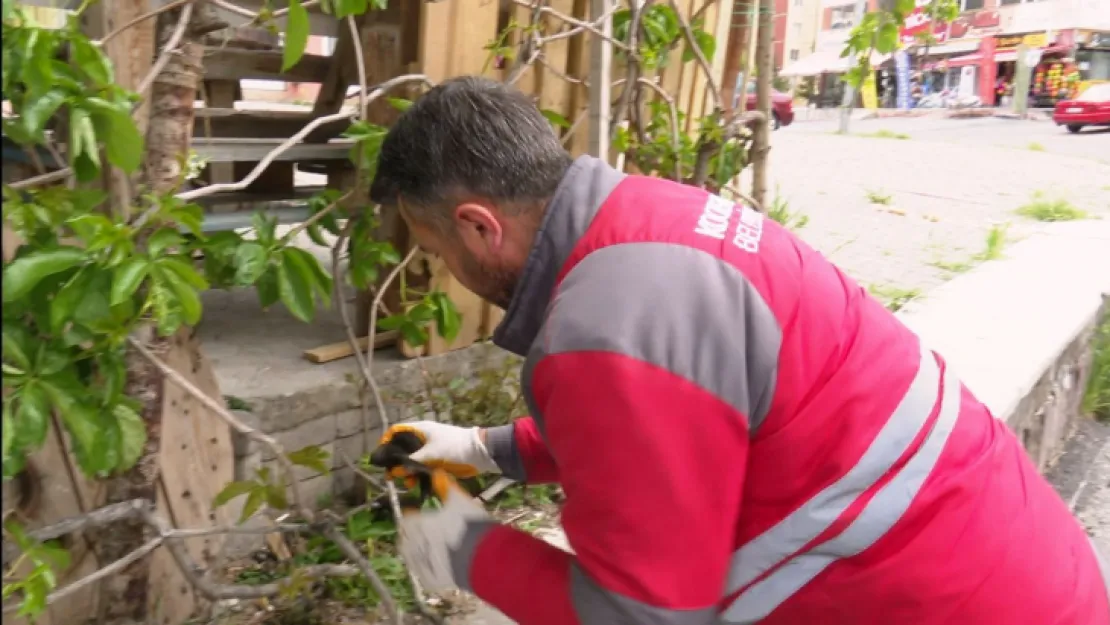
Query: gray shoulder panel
point(678, 308)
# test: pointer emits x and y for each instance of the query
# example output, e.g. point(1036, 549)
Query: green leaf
point(162, 240)
point(264, 228)
point(113, 373)
point(127, 277)
point(400, 104)
point(187, 297)
point(38, 112)
point(251, 261)
point(706, 43)
point(94, 307)
point(24, 273)
point(275, 497)
point(83, 151)
point(447, 316)
point(32, 418)
point(132, 436)
point(233, 490)
point(124, 146)
point(17, 346)
point(91, 61)
point(68, 299)
point(392, 322)
point(7, 430)
point(312, 457)
point(267, 287)
point(295, 288)
point(309, 266)
point(255, 499)
point(296, 35)
point(184, 270)
point(556, 118)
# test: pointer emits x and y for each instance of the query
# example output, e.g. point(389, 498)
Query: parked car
point(782, 106)
point(1090, 108)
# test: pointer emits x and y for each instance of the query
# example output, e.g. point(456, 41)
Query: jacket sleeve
point(653, 467)
point(521, 453)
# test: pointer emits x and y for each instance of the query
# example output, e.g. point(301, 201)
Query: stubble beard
point(493, 284)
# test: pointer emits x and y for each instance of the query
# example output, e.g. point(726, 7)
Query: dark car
point(1090, 108)
point(782, 106)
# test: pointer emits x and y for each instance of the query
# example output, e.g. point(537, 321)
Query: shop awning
point(825, 61)
point(1001, 56)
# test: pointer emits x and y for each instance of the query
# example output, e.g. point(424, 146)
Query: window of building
point(971, 5)
point(797, 26)
point(793, 55)
point(799, 3)
point(843, 17)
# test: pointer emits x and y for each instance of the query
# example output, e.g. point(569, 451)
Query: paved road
point(949, 183)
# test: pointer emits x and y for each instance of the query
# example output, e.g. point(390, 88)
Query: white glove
point(457, 450)
point(431, 540)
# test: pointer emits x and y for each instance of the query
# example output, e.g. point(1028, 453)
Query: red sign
point(918, 22)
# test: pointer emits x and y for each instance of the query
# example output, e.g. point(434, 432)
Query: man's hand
point(430, 538)
point(456, 450)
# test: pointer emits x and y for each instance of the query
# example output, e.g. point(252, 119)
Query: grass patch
point(879, 197)
point(1034, 147)
point(1043, 208)
point(893, 297)
point(1096, 400)
point(780, 211)
point(883, 133)
point(993, 246)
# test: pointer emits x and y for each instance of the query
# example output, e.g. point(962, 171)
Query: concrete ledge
point(1017, 330)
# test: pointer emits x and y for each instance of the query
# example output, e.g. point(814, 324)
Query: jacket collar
point(579, 196)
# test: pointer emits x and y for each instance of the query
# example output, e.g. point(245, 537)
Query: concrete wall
point(1018, 330)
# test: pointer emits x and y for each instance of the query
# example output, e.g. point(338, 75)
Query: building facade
point(1071, 37)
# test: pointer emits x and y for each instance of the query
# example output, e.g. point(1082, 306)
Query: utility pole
point(849, 90)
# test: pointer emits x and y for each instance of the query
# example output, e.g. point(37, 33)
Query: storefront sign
point(1034, 40)
point(902, 76)
point(918, 22)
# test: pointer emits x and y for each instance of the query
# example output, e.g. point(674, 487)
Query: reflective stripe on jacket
point(745, 436)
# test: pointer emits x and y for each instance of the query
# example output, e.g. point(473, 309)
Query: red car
point(1091, 108)
point(782, 106)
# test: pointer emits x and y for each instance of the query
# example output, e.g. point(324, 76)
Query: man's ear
point(479, 227)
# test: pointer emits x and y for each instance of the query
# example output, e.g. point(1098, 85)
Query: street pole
point(849, 90)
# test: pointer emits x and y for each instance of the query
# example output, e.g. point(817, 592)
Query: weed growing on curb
point(879, 197)
point(1043, 208)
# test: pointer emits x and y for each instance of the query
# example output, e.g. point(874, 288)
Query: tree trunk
point(124, 597)
point(761, 140)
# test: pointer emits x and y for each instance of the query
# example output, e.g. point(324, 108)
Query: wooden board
point(578, 66)
point(197, 461)
point(343, 349)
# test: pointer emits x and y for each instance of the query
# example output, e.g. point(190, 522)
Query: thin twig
point(142, 18)
point(299, 228)
point(580, 24)
point(353, 554)
point(43, 179)
point(236, 424)
point(168, 49)
point(373, 481)
point(391, 84)
point(692, 42)
point(231, 7)
point(269, 158)
point(673, 109)
point(360, 63)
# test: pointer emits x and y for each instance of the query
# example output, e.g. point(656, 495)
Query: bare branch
point(170, 48)
point(236, 424)
point(142, 18)
point(231, 7)
point(360, 63)
point(692, 42)
point(580, 24)
point(299, 228)
point(43, 179)
point(269, 158)
point(353, 554)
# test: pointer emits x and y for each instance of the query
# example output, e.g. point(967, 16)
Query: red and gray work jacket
point(745, 436)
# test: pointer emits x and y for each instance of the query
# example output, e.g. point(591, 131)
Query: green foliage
point(993, 246)
point(779, 211)
point(879, 197)
point(45, 561)
point(879, 31)
point(884, 133)
point(1044, 208)
point(893, 297)
point(264, 489)
point(661, 32)
point(1096, 399)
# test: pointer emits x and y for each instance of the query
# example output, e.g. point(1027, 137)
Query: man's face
point(476, 251)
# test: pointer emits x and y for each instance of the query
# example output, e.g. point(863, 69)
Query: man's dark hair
point(469, 137)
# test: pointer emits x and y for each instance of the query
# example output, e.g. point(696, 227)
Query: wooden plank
point(601, 81)
point(172, 599)
point(528, 81)
point(701, 102)
point(222, 63)
point(228, 149)
point(343, 349)
point(197, 461)
point(247, 124)
point(222, 94)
